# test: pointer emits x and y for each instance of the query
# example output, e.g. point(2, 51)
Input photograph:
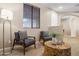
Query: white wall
point(17, 24)
point(48, 18)
point(71, 25)
point(45, 21)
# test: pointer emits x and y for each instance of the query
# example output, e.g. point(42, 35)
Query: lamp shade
point(6, 14)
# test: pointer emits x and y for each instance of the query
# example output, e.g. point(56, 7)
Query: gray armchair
point(45, 36)
point(23, 40)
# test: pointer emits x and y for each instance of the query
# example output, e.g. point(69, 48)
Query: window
point(31, 17)
point(54, 19)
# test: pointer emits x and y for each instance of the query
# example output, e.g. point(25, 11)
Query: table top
point(63, 46)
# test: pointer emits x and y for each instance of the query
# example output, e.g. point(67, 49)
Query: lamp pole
point(10, 35)
point(3, 38)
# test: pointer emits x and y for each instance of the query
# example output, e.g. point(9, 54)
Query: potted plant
point(55, 37)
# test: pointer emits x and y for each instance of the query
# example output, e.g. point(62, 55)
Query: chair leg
point(24, 49)
point(40, 39)
point(34, 45)
point(13, 45)
point(43, 42)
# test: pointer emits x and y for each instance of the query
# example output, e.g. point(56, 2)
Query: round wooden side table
point(56, 50)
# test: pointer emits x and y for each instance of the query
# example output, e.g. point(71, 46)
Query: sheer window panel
point(26, 23)
point(31, 16)
point(27, 16)
point(36, 17)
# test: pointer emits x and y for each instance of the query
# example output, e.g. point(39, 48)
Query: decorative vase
point(54, 40)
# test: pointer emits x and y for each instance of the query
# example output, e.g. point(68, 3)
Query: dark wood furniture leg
point(34, 45)
point(43, 42)
point(13, 44)
point(39, 39)
point(24, 50)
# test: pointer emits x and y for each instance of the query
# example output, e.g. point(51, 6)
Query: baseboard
point(5, 48)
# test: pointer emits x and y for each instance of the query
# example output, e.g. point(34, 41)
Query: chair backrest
point(44, 34)
point(17, 37)
point(22, 34)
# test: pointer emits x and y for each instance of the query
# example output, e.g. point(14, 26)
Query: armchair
point(44, 36)
point(22, 39)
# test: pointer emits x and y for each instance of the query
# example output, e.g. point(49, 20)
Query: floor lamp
point(7, 15)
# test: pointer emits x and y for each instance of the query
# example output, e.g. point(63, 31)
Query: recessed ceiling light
point(60, 7)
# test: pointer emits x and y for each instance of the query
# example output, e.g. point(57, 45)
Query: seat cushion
point(19, 42)
point(47, 38)
point(29, 42)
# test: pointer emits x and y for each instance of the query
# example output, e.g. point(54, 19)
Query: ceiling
point(67, 7)
point(10, 6)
